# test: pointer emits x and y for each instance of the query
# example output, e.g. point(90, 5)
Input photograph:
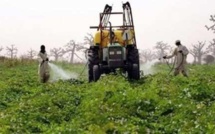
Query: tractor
point(114, 46)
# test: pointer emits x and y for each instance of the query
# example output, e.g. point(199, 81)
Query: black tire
point(133, 56)
point(93, 59)
point(135, 72)
point(96, 72)
point(133, 64)
point(90, 72)
point(129, 71)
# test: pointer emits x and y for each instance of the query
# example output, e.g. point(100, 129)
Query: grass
point(158, 103)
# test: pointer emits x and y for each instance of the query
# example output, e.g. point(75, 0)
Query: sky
point(30, 23)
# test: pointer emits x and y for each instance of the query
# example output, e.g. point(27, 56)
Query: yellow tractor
point(114, 46)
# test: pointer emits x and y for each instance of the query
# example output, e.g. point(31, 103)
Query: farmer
point(43, 66)
point(180, 54)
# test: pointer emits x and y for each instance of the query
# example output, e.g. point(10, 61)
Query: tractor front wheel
point(96, 72)
point(133, 62)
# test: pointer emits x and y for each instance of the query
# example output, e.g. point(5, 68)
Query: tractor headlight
point(111, 52)
point(118, 52)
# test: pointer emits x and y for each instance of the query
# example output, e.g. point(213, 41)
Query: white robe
point(181, 58)
point(43, 67)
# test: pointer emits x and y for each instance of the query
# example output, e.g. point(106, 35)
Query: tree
point(1, 48)
point(71, 48)
point(212, 27)
point(31, 54)
point(57, 53)
point(161, 49)
point(194, 53)
point(12, 51)
point(88, 39)
point(197, 51)
point(147, 55)
point(211, 47)
point(208, 59)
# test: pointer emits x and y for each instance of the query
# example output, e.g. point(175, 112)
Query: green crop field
point(158, 103)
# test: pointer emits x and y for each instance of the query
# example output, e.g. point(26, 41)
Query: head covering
point(42, 49)
point(177, 42)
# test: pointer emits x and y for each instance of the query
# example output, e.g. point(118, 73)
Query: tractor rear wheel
point(96, 72)
point(133, 62)
point(135, 72)
point(93, 59)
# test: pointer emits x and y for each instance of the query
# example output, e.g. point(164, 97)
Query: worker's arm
point(43, 56)
point(172, 55)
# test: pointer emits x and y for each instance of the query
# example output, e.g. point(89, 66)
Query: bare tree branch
point(57, 53)
point(197, 51)
point(31, 54)
point(211, 47)
point(212, 18)
point(81, 46)
point(70, 48)
point(88, 39)
point(12, 51)
point(147, 55)
point(212, 27)
point(161, 49)
point(78, 57)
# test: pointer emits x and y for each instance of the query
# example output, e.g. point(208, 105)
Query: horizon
point(29, 24)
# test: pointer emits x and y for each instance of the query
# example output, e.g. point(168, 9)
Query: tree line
point(198, 50)
point(71, 48)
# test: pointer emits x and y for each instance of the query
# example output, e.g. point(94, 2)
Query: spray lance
point(168, 64)
point(43, 61)
point(173, 66)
